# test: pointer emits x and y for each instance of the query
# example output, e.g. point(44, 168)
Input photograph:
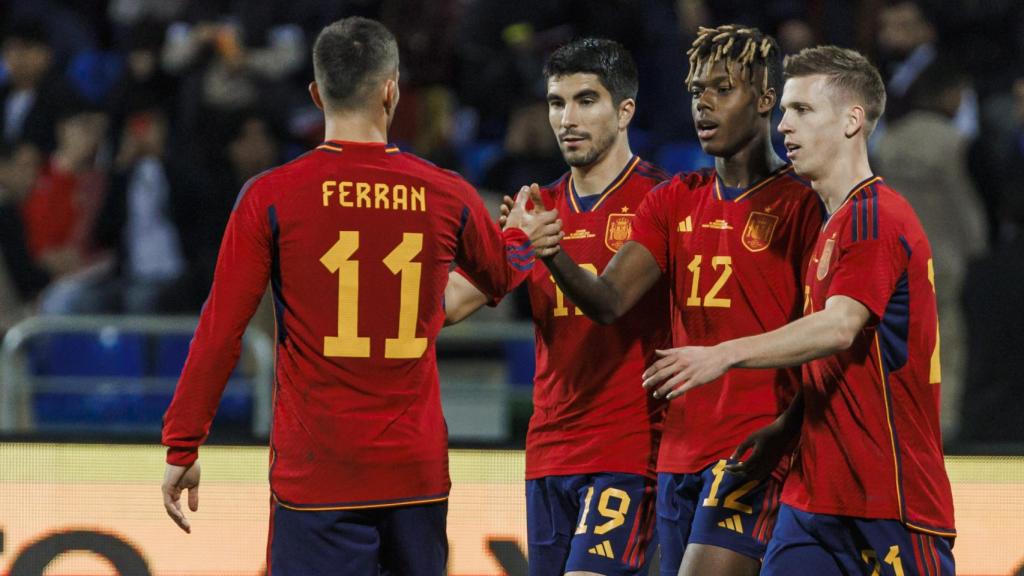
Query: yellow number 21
point(348, 343)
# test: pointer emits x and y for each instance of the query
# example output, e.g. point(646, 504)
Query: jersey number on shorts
point(616, 515)
point(870, 557)
point(732, 500)
point(720, 264)
point(348, 343)
point(560, 308)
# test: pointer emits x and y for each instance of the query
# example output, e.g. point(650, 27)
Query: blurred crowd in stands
point(127, 128)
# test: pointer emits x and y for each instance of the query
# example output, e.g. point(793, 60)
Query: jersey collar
point(578, 205)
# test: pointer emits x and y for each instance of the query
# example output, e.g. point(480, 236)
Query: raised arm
point(461, 299)
point(814, 336)
point(629, 275)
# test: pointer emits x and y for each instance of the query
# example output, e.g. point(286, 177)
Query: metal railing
point(17, 381)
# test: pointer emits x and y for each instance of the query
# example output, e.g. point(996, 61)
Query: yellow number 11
point(348, 343)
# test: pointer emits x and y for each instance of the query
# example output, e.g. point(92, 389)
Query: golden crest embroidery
point(617, 231)
point(757, 234)
point(826, 259)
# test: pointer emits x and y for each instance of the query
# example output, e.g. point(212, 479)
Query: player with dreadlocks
point(734, 242)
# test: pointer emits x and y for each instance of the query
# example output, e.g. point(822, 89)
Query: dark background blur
point(127, 128)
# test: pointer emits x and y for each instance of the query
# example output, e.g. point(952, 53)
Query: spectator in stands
point(908, 41)
point(60, 208)
point(250, 144)
point(232, 56)
point(924, 157)
point(23, 278)
point(136, 224)
point(144, 83)
point(530, 154)
point(34, 94)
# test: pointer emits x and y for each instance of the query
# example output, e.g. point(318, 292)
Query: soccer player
point(868, 491)
point(733, 243)
point(593, 438)
point(356, 239)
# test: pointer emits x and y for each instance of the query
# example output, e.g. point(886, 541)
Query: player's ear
point(853, 122)
point(626, 110)
point(391, 95)
point(314, 93)
point(766, 102)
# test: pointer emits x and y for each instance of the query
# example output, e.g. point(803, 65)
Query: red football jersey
point(871, 445)
point(356, 240)
point(590, 413)
point(735, 259)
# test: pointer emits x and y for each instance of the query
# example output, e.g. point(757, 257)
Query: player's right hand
point(177, 479)
point(542, 226)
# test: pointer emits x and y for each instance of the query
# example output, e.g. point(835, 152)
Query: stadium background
point(99, 283)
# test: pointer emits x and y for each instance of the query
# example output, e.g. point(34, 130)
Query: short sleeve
point(651, 223)
point(869, 270)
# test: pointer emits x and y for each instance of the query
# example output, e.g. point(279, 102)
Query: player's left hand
point(678, 370)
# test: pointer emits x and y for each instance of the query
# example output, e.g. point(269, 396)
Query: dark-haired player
point(593, 438)
point(733, 242)
point(868, 491)
point(356, 239)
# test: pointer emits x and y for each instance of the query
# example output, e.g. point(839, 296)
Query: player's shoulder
point(789, 180)
point(877, 211)
point(895, 211)
point(792, 188)
point(258, 187)
point(650, 172)
point(687, 183)
point(556, 188)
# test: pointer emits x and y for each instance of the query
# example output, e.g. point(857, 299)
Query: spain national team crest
point(757, 235)
point(825, 259)
point(617, 232)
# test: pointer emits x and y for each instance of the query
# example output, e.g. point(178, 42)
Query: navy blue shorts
point(716, 508)
point(806, 543)
point(601, 523)
point(400, 540)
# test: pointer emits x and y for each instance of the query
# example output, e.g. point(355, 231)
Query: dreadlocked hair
point(746, 46)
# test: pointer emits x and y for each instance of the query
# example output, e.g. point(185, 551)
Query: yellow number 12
point(348, 343)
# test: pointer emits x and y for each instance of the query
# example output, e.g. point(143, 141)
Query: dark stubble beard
point(601, 144)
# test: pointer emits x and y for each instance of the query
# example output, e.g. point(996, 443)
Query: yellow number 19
point(348, 343)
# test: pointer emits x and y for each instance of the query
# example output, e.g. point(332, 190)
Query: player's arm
point(240, 279)
point(495, 260)
point(461, 299)
point(816, 335)
point(629, 275)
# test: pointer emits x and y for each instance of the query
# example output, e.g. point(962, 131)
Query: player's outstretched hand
point(678, 370)
point(176, 480)
point(766, 448)
point(542, 226)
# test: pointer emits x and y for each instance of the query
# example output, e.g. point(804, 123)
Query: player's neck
point(355, 128)
point(751, 164)
point(844, 174)
point(595, 178)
